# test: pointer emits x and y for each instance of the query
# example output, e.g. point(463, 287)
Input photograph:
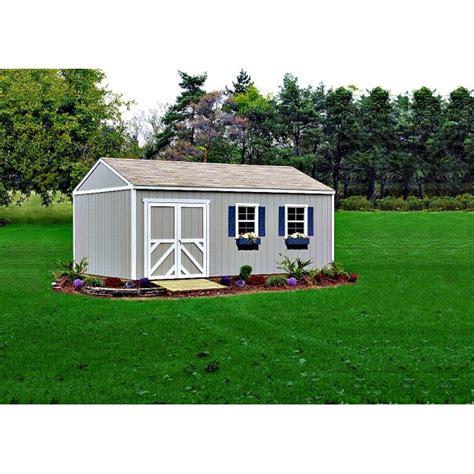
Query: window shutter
point(281, 221)
point(261, 222)
point(231, 221)
point(310, 221)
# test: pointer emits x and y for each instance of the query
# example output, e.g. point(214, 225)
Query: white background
point(397, 44)
point(400, 45)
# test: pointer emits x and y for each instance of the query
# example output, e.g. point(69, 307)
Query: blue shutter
point(231, 221)
point(310, 221)
point(261, 222)
point(281, 221)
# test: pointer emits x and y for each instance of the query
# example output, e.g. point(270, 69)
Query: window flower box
point(248, 241)
point(297, 241)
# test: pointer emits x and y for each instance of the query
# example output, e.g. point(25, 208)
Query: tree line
point(54, 124)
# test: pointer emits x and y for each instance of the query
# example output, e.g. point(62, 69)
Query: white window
point(296, 219)
point(246, 217)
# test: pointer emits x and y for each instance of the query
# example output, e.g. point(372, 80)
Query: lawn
point(402, 334)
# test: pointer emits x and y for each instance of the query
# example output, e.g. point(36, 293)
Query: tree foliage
point(53, 125)
point(368, 142)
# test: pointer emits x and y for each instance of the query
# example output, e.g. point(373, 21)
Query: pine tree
point(241, 85)
point(180, 112)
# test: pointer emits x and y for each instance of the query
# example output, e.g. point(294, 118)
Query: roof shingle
point(188, 174)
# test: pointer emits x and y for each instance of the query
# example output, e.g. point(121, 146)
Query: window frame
point(305, 207)
point(237, 220)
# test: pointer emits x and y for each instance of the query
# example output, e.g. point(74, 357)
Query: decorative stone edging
point(102, 291)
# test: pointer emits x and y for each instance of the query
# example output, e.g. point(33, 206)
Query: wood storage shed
point(167, 219)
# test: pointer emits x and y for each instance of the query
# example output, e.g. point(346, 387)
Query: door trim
point(175, 203)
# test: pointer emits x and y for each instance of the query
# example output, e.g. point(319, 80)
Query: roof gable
point(101, 176)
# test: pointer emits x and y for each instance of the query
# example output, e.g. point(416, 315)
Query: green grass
point(402, 334)
point(31, 211)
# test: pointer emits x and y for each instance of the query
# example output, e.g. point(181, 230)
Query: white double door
point(176, 244)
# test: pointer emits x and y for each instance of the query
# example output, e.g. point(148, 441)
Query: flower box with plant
point(298, 240)
point(248, 239)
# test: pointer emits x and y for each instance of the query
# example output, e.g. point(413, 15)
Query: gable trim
point(92, 191)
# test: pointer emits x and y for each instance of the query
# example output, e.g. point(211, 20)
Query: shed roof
point(186, 174)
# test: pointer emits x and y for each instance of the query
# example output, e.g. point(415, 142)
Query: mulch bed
point(155, 292)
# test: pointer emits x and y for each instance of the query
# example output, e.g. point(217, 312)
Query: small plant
point(292, 281)
point(252, 236)
point(225, 280)
point(335, 270)
point(297, 235)
point(78, 284)
point(144, 283)
point(313, 274)
point(245, 272)
point(295, 268)
point(113, 282)
point(276, 280)
point(240, 283)
point(93, 281)
point(353, 277)
point(70, 269)
point(130, 284)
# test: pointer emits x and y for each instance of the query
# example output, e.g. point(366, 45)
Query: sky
point(400, 45)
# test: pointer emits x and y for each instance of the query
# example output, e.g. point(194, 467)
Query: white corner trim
point(208, 217)
point(103, 190)
point(133, 234)
point(73, 230)
point(232, 190)
point(332, 228)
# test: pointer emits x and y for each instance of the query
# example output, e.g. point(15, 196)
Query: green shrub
point(334, 270)
point(444, 203)
point(70, 269)
point(391, 204)
point(356, 203)
point(276, 280)
point(295, 268)
point(414, 204)
point(314, 276)
point(466, 201)
point(245, 272)
point(93, 281)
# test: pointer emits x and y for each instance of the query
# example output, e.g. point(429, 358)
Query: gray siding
point(102, 178)
point(102, 232)
point(224, 257)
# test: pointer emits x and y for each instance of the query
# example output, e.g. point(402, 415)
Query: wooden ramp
point(198, 284)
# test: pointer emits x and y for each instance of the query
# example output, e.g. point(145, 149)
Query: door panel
point(162, 222)
point(192, 222)
point(191, 250)
point(163, 259)
point(176, 240)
